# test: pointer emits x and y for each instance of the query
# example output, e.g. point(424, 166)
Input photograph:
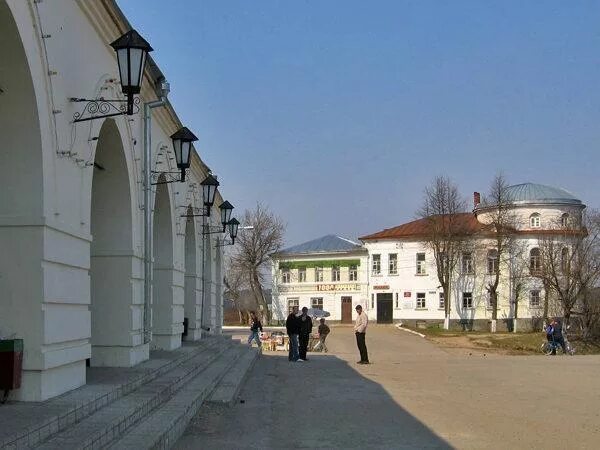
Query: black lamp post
point(132, 50)
point(233, 225)
point(182, 145)
point(226, 209)
point(209, 189)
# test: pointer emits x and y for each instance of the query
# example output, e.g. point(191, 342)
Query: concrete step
point(166, 424)
point(26, 425)
point(109, 422)
point(227, 390)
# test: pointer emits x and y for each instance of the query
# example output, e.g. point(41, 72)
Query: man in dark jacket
point(255, 326)
point(305, 329)
point(558, 336)
point(292, 325)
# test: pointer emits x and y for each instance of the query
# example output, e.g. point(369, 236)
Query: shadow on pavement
point(320, 403)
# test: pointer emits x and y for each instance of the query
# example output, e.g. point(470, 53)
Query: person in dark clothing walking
point(360, 330)
point(558, 336)
point(255, 325)
point(292, 325)
point(305, 329)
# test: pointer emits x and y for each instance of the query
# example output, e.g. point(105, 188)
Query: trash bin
point(11, 364)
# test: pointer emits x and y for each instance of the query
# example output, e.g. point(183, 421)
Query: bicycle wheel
point(546, 348)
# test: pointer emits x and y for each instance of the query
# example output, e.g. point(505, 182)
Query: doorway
point(346, 309)
point(385, 308)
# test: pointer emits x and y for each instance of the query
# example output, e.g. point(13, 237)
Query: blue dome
point(540, 193)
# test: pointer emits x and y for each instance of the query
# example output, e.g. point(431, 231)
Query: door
point(346, 309)
point(384, 308)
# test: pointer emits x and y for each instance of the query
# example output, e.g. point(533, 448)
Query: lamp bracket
point(169, 177)
point(225, 243)
point(100, 108)
point(212, 229)
point(196, 212)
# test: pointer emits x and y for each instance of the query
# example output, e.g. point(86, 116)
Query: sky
point(337, 114)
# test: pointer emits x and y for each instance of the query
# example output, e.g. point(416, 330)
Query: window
point(316, 303)
point(534, 299)
point(319, 274)
point(467, 263)
point(535, 261)
point(376, 264)
point(286, 276)
point(534, 220)
point(420, 300)
point(564, 260)
point(421, 264)
point(442, 304)
point(564, 220)
point(467, 300)
point(353, 273)
point(302, 274)
point(393, 263)
point(295, 301)
point(335, 273)
point(492, 261)
point(396, 300)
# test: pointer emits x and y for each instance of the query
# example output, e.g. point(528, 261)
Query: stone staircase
point(148, 406)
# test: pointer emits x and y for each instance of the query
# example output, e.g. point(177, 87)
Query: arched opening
point(167, 317)
point(192, 313)
point(111, 253)
point(535, 261)
point(21, 207)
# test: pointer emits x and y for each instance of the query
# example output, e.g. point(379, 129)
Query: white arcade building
point(72, 200)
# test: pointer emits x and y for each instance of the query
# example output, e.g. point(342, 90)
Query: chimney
point(476, 199)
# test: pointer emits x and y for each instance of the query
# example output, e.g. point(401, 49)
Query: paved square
point(414, 395)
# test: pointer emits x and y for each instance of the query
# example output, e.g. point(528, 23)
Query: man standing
point(558, 336)
point(360, 328)
point(305, 329)
point(292, 325)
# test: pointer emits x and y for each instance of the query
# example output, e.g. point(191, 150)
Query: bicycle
point(549, 347)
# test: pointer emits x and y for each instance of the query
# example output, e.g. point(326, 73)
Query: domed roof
point(540, 193)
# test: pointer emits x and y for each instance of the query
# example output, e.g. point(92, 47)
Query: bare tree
point(502, 222)
point(570, 266)
point(447, 231)
point(520, 280)
point(254, 245)
point(235, 283)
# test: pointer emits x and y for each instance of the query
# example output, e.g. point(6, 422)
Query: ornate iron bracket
point(212, 229)
point(169, 177)
point(100, 108)
point(197, 212)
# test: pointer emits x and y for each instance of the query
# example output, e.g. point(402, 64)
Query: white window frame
point(393, 263)
point(467, 263)
point(353, 273)
point(316, 303)
point(302, 274)
point(335, 273)
point(492, 262)
point(286, 276)
point(421, 300)
point(535, 294)
point(376, 265)
point(564, 220)
point(465, 296)
point(534, 220)
point(442, 301)
point(319, 274)
point(535, 260)
point(293, 301)
point(421, 268)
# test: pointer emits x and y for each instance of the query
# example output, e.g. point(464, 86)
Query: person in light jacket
point(360, 329)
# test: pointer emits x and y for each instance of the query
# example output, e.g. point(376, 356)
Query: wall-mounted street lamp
point(182, 145)
point(226, 209)
point(233, 226)
point(132, 50)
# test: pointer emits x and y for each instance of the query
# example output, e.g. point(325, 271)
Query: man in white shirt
point(360, 328)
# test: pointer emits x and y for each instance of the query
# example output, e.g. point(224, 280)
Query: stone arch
point(167, 313)
point(22, 216)
point(116, 328)
point(192, 312)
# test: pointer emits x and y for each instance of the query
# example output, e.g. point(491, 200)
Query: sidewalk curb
point(409, 331)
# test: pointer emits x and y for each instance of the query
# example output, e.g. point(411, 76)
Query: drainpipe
point(162, 101)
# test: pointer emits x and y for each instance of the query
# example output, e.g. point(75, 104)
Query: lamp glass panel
point(122, 60)
point(177, 150)
point(185, 153)
point(136, 60)
point(233, 229)
point(225, 215)
point(208, 194)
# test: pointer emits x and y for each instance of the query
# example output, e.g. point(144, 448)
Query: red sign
point(407, 294)
point(381, 287)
